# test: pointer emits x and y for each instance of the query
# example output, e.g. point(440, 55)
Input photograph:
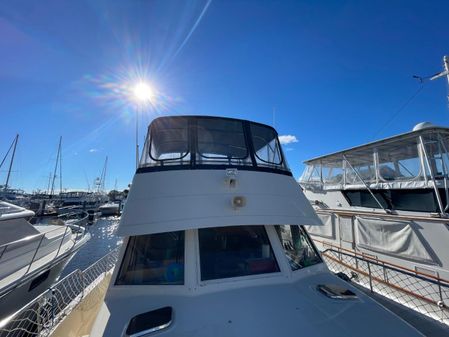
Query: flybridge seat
point(417, 159)
point(195, 142)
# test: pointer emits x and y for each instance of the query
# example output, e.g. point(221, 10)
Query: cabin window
point(169, 140)
point(297, 246)
point(235, 251)
point(266, 145)
point(365, 199)
point(423, 200)
point(155, 259)
point(221, 140)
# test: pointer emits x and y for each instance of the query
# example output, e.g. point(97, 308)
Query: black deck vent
point(150, 321)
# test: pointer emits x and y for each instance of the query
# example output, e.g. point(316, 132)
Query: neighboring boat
point(110, 208)
point(31, 256)
point(83, 200)
point(387, 201)
point(214, 244)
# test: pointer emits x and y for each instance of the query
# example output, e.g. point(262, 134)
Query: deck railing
point(40, 317)
point(77, 234)
point(427, 294)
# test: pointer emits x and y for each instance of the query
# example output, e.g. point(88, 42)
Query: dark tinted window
point(414, 200)
point(365, 199)
point(221, 138)
point(169, 139)
point(402, 200)
point(153, 259)
point(235, 251)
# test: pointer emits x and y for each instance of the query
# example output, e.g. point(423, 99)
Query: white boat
point(214, 244)
point(31, 256)
point(388, 201)
point(110, 208)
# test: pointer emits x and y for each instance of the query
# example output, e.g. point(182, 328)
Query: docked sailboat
point(31, 256)
point(214, 244)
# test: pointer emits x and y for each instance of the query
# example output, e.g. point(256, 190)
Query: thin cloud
point(287, 139)
point(93, 150)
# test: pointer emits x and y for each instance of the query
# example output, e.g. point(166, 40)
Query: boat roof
point(397, 140)
point(9, 211)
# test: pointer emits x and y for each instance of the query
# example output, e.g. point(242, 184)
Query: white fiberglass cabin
point(31, 256)
point(214, 244)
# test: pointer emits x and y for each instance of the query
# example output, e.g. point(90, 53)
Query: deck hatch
point(149, 322)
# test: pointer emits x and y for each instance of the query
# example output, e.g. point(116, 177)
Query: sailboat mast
point(60, 166)
point(11, 162)
point(56, 167)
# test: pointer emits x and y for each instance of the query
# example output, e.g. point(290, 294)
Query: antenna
point(444, 73)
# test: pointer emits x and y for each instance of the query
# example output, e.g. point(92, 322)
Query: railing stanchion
point(370, 278)
point(62, 240)
point(35, 253)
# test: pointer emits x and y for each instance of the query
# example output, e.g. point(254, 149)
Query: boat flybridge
point(31, 256)
point(214, 244)
point(388, 198)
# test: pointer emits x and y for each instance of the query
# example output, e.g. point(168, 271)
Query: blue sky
point(336, 73)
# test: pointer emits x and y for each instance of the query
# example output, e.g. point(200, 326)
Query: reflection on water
point(102, 241)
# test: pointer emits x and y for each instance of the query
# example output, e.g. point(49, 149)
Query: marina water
point(103, 240)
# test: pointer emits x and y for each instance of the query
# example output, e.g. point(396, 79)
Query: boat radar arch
point(423, 125)
point(199, 171)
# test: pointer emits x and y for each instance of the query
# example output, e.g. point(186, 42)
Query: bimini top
point(204, 142)
point(416, 159)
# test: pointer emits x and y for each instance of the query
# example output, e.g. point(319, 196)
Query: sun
point(143, 92)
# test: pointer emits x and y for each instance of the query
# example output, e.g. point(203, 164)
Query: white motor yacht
point(31, 256)
point(110, 208)
point(214, 244)
point(388, 202)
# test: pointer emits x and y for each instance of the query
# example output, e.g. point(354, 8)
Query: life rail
point(425, 293)
point(42, 315)
point(347, 212)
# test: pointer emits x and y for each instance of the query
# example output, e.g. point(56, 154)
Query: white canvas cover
point(327, 230)
point(391, 237)
point(346, 229)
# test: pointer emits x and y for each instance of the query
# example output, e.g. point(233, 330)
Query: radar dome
point(423, 125)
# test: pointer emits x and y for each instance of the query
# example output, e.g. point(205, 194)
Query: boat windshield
point(235, 251)
point(297, 246)
point(201, 141)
